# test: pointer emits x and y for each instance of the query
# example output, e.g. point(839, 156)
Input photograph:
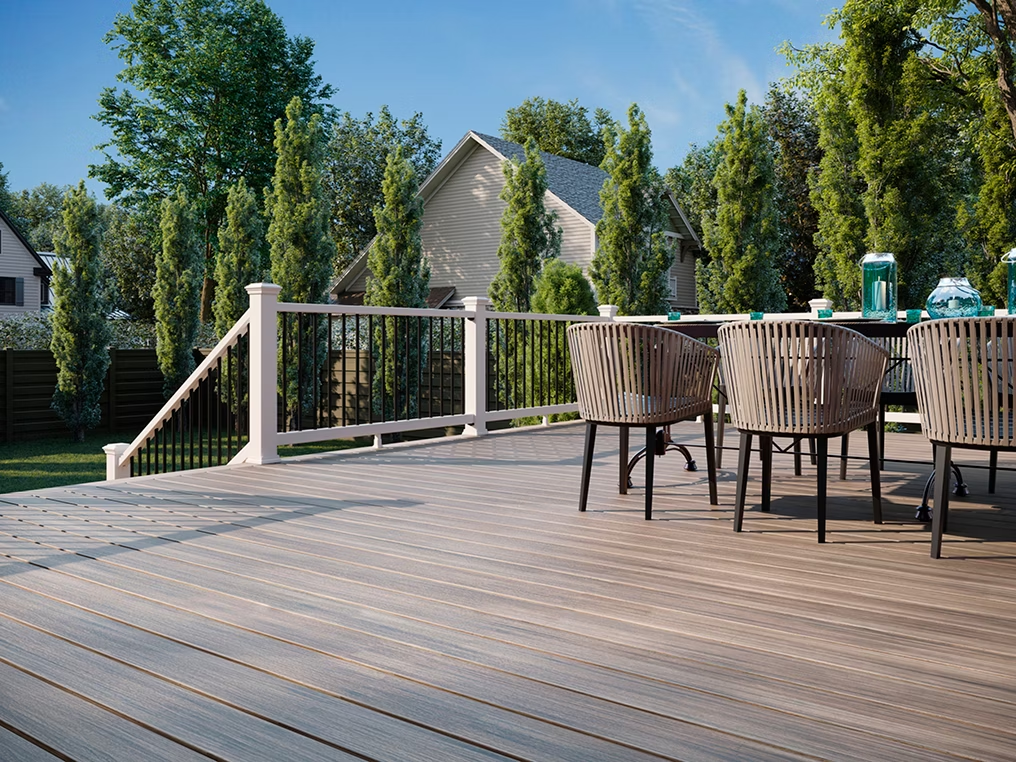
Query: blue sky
point(461, 64)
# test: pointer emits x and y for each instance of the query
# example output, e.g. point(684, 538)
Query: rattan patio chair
point(963, 372)
point(804, 380)
point(630, 375)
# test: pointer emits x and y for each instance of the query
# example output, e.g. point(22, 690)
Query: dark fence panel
point(132, 396)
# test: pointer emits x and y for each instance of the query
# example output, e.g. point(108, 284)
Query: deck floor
point(447, 602)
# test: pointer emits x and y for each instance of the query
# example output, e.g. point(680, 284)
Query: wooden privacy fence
point(133, 392)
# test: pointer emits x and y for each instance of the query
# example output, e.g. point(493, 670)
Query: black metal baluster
point(330, 372)
point(371, 368)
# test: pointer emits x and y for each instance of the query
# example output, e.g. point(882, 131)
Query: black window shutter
point(19, 292)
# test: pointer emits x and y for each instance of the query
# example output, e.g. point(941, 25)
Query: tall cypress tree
point(179, 271)
point(743, 235)
point(238, 261)
point(631, 265)
point(80, 342)
point(297, 210)
point(528, 233)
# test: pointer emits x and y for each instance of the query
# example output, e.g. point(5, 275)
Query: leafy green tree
point(692, 183)
point(177, 291)
point(205, 81)
point(399, 274)
point(129, 244)
point(563, 129)
point(297, 210)
point(529, 235)
point(81, 334)
point(399, 277)
point(6, 205)
point(562, 289)
point(631, 265)
point(743, 237)
point(40, 212)
point(239, 261)
point(354, 166)
point(793, 133)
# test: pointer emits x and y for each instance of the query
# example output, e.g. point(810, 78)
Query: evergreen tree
point(238, 262)
point(528, 233)
point(81, 333)
point(130, 243)
point(692, 183)
point(297, 210)
point(743, 237)
point(631, 266)
point(399, 275)
point(177, 292)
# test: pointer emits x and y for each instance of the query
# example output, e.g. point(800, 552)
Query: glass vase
point(878, 286)
point(954, 297)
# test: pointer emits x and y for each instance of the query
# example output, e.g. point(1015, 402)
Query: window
point(44, 292)
point(12, 291)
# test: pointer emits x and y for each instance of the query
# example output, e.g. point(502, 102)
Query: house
point(24, 276)
point(462, 223)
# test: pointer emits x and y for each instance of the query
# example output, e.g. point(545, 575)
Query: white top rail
point(542, 316)
point(238, 329)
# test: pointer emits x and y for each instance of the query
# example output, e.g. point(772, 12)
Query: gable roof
point(25, 243)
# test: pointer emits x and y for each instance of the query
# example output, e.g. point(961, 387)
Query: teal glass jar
point(954, 297)
point(878, 287)
point(1010, 300)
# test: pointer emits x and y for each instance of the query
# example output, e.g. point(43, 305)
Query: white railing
point(264, 434)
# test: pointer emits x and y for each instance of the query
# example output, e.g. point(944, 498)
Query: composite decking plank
point(15, 748)
point(898, 753)
point(523, 734)
point(78, 729)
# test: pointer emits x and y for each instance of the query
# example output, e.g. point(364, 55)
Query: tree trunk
point(207, 294)
point(1001, 38)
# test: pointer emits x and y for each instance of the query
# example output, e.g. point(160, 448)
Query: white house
point(24, 277)
point(462, 223)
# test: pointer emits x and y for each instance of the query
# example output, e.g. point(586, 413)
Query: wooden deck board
point(452, 598)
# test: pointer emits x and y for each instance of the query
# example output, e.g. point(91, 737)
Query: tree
point(40, 211)
point(177, 291)
point(6, 205)
point(81, 334)
point(529, 235)
point(239, 259)
point(562, 129)
point(562, 289)
point(692, 183)
point(354, 167)
point(205, 82)
point(130, 242)
point(793, 133)
point(297, 210)
point(631, 265)
point(743, 237)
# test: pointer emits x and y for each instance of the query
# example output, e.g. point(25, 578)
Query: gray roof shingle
point(575, 183)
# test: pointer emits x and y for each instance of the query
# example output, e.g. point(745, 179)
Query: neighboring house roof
point(576, 184)
point(436, 298)
point(26, 244)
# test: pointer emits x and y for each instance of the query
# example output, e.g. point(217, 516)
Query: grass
point(37, 464)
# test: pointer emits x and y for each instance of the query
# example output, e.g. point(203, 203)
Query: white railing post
point(113, 454)
point(475, 336)
point(264, 349)
point(608, 311)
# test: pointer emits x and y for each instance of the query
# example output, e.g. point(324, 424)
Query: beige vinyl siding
point(17, 262)
point(360, 284)
point(684, 272)
point(462, 226)
point(576, 233)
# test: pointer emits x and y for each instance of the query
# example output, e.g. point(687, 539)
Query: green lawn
point(55, 462)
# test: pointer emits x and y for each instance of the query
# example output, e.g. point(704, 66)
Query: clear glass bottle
point(954, 297)
point(1010, 300)
point(878, 286)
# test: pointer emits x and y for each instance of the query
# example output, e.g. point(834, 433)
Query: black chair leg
point(797, 457)
point(711, 458)
point(844, 451)
point(943, 454)
point(992, 470)
point(587, 464)
point(622, 479)
point(765, 447)
point(881, 437)
point(876, 474)
point(743, 460)
point(650, 464)
point(822, 447)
